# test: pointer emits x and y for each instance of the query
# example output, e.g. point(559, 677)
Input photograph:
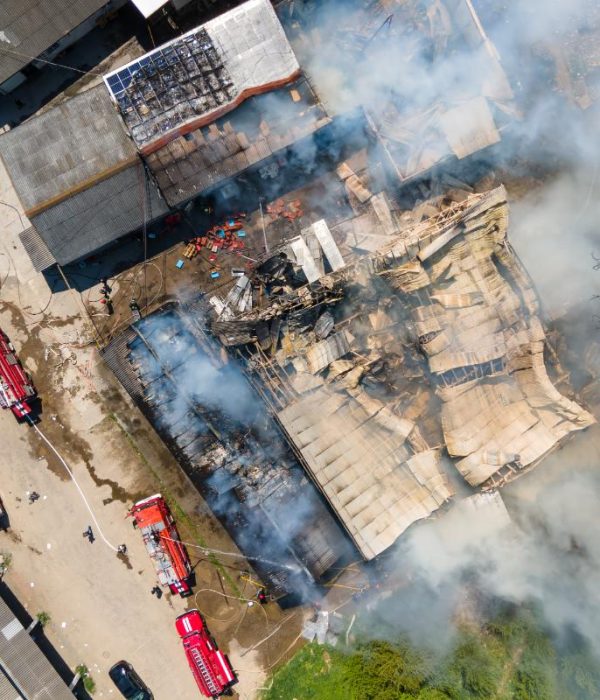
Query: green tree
point(473, 670)
point(379, 669)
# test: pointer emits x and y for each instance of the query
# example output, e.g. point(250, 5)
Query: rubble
point(381, 360)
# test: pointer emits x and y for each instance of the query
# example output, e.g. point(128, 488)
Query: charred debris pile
point(379, 355)
point(230, 449)
point(397, 352)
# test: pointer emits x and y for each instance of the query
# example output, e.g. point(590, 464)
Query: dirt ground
point(100, 606)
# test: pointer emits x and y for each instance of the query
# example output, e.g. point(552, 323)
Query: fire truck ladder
point(201, 666)
point(4, 398)
point(162, 558)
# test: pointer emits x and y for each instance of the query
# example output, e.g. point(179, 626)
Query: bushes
point(88, 682)
point(510, 658)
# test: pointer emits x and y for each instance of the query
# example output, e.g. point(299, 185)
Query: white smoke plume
point(549, 158)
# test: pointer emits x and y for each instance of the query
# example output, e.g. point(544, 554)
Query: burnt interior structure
point(171, 85)
point(246, 473)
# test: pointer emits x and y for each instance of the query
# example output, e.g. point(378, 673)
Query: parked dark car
point(128, 682)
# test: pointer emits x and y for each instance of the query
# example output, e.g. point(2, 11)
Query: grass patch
point(88, 682)
point(43, 618)
point(513, 657)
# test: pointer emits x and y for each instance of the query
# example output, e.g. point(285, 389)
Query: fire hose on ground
point(74, 480)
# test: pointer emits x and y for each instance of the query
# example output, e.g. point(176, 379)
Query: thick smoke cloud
point(555, 232)
point(199, 379)
point(549, 556)
point(553, 556)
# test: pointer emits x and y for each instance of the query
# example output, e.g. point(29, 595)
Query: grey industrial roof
point(29, 27)
point(97, 216)
point(24, 664)
point(66, 148)
point(7, 689)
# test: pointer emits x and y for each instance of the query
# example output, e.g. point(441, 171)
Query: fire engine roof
point(149, 516)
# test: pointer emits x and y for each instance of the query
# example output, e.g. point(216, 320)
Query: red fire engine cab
point(210, 666)
point(171, 561)
point(15, 384)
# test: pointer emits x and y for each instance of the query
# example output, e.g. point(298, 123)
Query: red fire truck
point(15, 384)
point(171, 561)
point(210, 666)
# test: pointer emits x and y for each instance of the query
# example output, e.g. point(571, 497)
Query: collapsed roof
point(431, 341)
point(206, 156)
point(426, 74)
point(196, 78)
point(476, 316)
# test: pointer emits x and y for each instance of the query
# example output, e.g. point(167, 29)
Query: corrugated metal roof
point(41, 257)
point(66, 148)
point(7, 689)
point(22, 661)
point(82, 224)
point(30, 27)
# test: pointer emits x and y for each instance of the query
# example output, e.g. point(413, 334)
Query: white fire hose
point(66, 466)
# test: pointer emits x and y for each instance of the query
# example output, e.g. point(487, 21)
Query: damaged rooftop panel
point(476, 316)
point(203, 74)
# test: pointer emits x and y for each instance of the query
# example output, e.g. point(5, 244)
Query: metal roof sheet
point(41, 258)
point(97, 216)
point(29, 27)
point(24, 665)
point(66, 148)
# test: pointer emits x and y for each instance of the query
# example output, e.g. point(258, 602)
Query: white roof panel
point(149, 7)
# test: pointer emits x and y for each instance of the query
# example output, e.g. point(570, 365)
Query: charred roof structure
point(426, 74)
point(196, 78)
point(360, 355)
point(174, 101)
point(79, 179)
point(262, 126)
point(244, 470)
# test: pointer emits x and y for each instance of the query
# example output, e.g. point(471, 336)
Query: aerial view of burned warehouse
point(299, 348)
point(345, 342)
point(382, 340)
